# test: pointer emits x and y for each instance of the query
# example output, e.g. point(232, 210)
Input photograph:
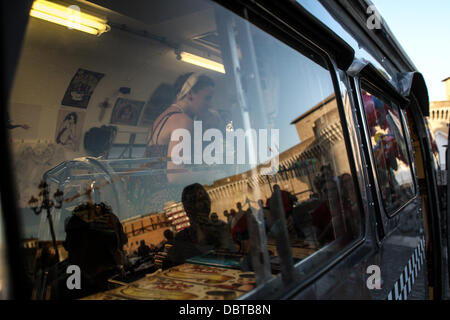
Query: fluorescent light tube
point(69, 17)
point(202, 62)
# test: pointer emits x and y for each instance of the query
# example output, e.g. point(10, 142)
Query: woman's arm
point(181, 127)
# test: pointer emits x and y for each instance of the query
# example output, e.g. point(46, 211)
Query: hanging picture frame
point(69, 128)
point(126, 111)
point(81, 88)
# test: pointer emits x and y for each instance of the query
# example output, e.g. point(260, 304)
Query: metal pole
point(283, 243)
point(52, 231)
point(258, 244)
point(48, 204)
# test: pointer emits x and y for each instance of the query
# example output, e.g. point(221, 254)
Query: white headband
point(188, 85)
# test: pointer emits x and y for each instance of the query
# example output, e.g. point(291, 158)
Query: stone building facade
point(149, 228)
point(439, 120)
point(321, 143)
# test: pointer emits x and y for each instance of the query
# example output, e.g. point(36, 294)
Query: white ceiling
point(171, 19)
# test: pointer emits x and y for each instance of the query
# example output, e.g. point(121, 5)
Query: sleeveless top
point(149, 193)
point(159, 150)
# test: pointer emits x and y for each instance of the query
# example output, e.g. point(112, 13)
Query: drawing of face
point(70, 119)
point(126, 113)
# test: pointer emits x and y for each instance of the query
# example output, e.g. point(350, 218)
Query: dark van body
point(401, 249)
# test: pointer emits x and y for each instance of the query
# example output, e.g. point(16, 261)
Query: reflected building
point(149, 228)
point(176, 215)
point(321, 143)
point(439, 120)
point(30, 243)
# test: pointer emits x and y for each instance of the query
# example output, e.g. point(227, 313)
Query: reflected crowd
point(95, 237)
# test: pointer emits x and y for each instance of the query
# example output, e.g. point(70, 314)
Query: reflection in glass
point(222, 181)
point(390, 151)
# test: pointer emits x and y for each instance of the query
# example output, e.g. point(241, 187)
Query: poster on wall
point(69, 128)
point(126, 111)
point(24, 121)
point(81, 88)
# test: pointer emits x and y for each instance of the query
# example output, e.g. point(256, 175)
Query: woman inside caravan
point(285, 95)
point(194, 93)
point(193, 96)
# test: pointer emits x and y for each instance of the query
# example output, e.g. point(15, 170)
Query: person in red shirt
point(288, 202)
point(328, 216)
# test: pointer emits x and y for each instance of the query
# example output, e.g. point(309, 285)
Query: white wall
point(50, 57)
point(52, 54)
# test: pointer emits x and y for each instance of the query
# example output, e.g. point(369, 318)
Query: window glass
point(390, 151)
point(203, 147)
point(438, 162)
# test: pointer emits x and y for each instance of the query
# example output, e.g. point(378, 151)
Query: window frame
point(294, 39)
point(297, 40)
point(15, 16)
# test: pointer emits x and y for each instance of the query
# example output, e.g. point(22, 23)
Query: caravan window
point(392, 162)
point(181, 138)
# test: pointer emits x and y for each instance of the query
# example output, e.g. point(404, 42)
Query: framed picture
point(126, 111)
point(81, 88)
point(69, 128)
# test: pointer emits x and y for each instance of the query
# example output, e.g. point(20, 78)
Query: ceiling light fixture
point(70, 17)
point(201, 62)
